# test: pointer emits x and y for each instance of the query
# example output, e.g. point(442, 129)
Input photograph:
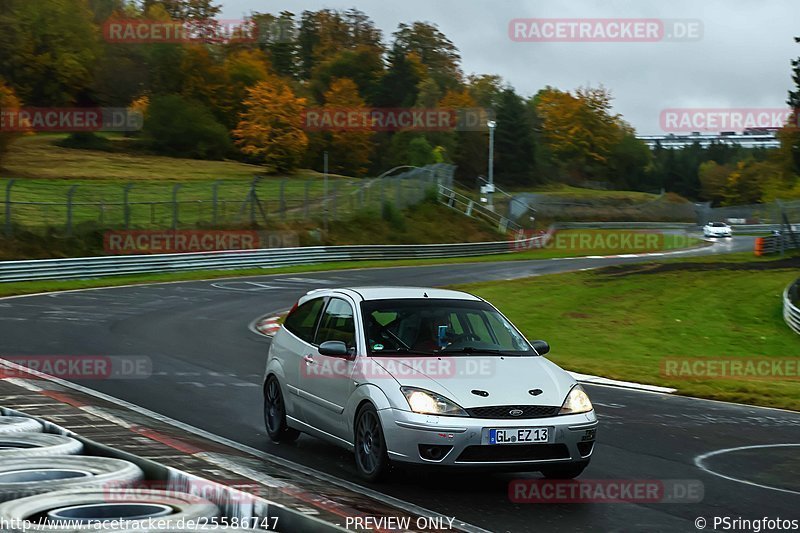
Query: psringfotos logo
point(716, 120)
point(604, 30)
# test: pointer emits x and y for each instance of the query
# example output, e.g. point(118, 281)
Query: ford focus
point(423, 376)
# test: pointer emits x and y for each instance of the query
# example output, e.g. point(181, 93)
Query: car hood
point(507, 380)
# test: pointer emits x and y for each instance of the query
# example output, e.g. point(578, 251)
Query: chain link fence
point(40, 206)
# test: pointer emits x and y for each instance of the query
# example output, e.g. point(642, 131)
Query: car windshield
point(434, 327)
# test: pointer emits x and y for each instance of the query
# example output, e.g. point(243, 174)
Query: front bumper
point(464, 441)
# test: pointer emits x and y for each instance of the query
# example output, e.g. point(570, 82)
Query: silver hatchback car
point(423, 376)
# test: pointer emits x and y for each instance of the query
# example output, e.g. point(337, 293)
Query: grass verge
point(625, 322)
point(30, 287)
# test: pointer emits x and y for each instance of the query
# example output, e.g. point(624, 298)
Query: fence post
point(335, 200)
point(253, 201)
point(214, 201)
point(8, 207)
point(305, 198)
point(282, 198)
point(70, 195)
point(127, 206)
point(175, 205)
point(398, 193)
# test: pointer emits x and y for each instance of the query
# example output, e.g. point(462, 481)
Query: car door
point(326, 382)
point(290, 347)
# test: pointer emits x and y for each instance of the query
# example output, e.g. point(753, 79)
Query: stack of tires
point(47, 486)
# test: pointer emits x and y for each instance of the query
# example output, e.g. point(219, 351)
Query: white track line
point(700, 459)
point(335, 481)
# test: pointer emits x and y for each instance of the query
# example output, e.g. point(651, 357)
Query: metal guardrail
point(791, 313)
point(97, 267)
point(774, 244)
point(471, 208)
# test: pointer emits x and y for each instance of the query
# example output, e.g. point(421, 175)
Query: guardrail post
point(8, 207)
point(175, 190)
point(215, 202)
point(70, 195)
point(127, 206)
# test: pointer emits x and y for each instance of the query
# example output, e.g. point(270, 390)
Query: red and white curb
point(266, 326)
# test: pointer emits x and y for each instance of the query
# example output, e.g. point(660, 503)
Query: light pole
point(490, 187)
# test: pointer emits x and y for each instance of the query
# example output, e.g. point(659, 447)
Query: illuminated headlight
point(429, 403)
point(577, 402)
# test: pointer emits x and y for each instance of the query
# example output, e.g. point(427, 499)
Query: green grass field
point(45, 172)
point(625, 322)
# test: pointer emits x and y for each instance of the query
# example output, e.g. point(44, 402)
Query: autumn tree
point(349, 150)
point(270, 131)
point(48, 50)
point(8, 101)
point(436, 52)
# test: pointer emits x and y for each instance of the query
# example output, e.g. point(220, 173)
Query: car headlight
point(429, 403)
point(577, 402)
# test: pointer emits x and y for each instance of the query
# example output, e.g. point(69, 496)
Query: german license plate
point(519, 435)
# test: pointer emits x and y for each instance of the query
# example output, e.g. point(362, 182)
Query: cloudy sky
point(741, 61)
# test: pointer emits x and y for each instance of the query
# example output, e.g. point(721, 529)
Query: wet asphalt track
point(207, 369)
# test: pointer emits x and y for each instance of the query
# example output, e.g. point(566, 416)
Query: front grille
point(513, 452)
point(503, 411)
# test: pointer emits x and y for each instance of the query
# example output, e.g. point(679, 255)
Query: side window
point(337, 324)
point(302, 321)
point(476, 322)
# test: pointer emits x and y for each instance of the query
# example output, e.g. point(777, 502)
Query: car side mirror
point(541, 347)
point(334, 349)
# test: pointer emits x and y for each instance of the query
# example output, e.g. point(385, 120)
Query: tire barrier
point(21, 478)
point(18, 424)
point(25, 445)
point(89, 509)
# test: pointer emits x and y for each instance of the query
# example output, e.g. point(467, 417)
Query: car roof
point(394, 293)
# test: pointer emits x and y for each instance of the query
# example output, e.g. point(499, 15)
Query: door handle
point(309, 360)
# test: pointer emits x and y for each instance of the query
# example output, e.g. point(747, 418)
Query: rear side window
point(302, 320)
point(337, 324)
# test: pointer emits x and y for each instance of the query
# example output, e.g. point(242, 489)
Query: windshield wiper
point(472, 349)
point(404, 351)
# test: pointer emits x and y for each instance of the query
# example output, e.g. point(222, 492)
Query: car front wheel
point(275, 414)
point(372, 459)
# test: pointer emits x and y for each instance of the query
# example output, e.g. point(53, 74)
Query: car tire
point(372, 458)
point(19, 424)
point(568, 471)
point(21, 445)
point(29, 476)
point(275, 414)
point(186, 507)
